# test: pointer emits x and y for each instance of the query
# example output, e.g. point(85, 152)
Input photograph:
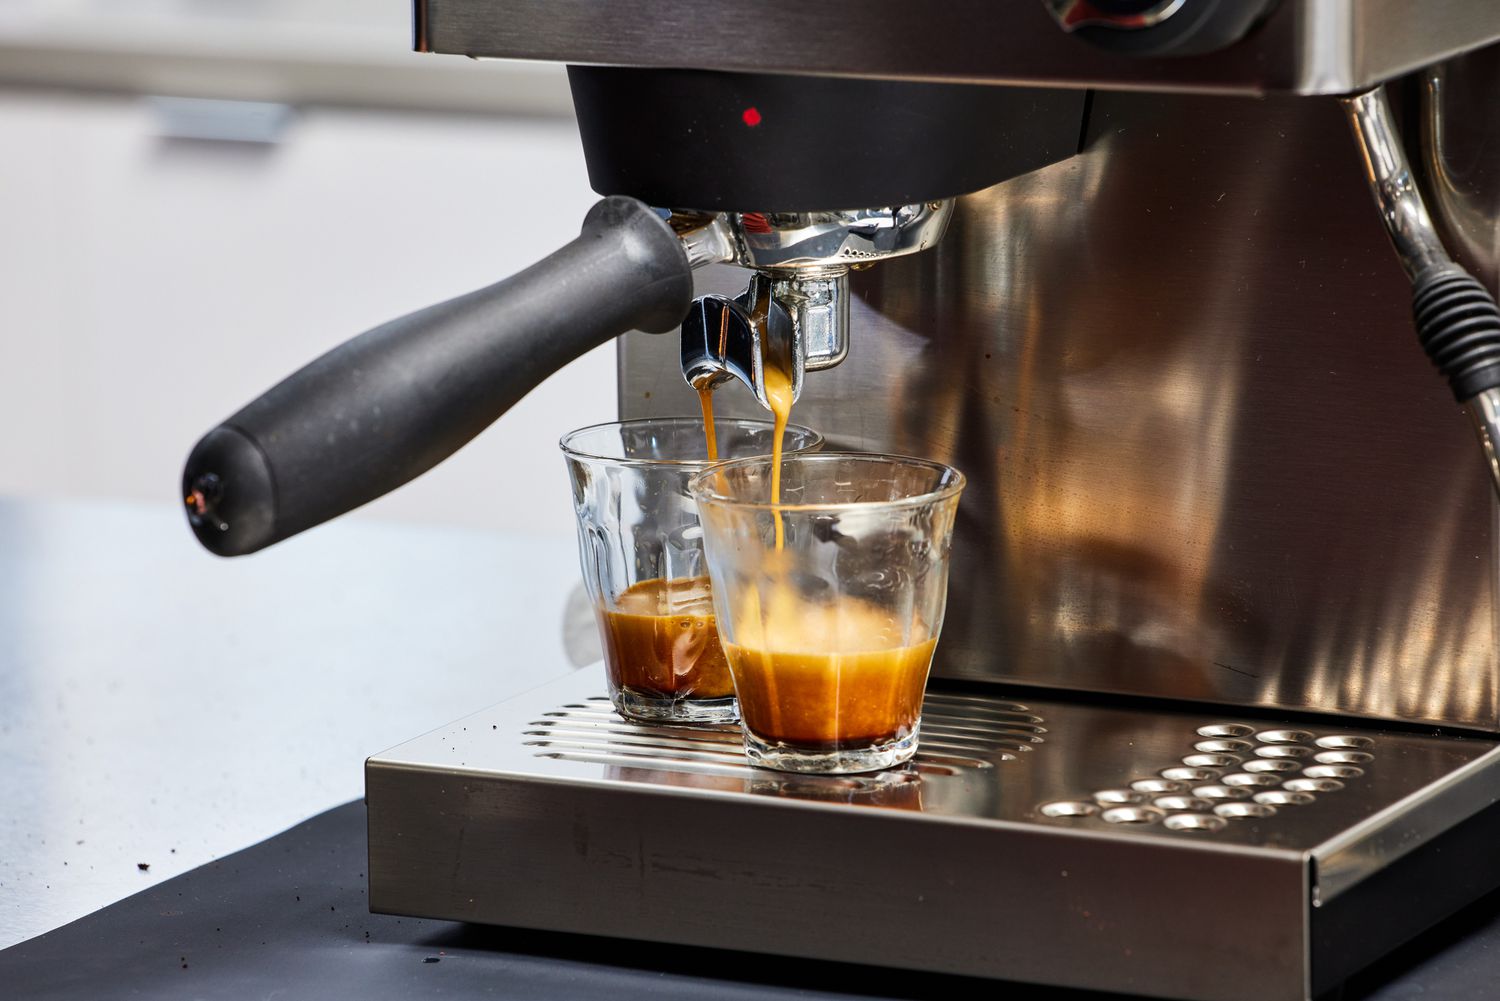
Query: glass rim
point(696, 422)
point(700, 485)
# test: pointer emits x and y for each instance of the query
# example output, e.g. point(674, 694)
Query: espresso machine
point(1216, 709)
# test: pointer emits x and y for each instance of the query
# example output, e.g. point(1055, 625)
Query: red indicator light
point(750, 116)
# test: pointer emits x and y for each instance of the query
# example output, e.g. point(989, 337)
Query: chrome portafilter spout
point(1457, 319)
point(793, 317)
point(740, 338)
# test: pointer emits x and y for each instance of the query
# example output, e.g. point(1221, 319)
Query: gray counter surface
point(162, 707)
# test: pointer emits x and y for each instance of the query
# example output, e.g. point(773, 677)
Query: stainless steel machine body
point(1206, 457)
point(1213, 483)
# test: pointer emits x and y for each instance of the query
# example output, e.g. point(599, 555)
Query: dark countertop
point(287, 919)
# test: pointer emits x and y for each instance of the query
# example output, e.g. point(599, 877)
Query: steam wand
point(1458, 321)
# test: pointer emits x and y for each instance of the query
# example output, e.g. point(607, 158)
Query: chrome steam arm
point(1458, 321)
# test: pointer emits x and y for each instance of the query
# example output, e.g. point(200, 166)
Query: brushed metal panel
point(660, 870)
point(1389, 38)
point(1309, 46)
point(1207, 458)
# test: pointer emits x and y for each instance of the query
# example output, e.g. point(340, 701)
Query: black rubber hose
point(390, 404)
point(1458, 324)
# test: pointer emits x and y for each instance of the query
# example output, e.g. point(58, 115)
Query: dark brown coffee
point(828, 677)
point(661, 641)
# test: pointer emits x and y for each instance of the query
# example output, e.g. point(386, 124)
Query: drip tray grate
point(1160, 774)
point(958, 733)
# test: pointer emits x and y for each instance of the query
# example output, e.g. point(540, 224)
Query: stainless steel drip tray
point(1181, 854)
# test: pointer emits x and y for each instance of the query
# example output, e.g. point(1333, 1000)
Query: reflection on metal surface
point(1484, 414)
point(1074, 14)
point(741, 338)
point(1193, 822)
point(786, 242)
point(1202, 445)
point(819, 306)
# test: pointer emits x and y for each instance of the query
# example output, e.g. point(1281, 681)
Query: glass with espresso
point(641, 551)
point(829, 577)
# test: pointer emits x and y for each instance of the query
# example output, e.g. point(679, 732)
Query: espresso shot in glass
point(829, 600)
point(640, 546)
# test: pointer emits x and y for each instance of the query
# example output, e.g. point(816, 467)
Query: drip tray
point(1163, 852)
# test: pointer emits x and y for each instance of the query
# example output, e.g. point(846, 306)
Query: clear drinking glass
point(642, 554)
point(829, 621)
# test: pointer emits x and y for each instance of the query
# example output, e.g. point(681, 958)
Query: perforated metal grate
point(1230, 771)
point(958, 732)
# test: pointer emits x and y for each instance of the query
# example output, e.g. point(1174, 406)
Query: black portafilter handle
point(1458, 323)
point(381, 409)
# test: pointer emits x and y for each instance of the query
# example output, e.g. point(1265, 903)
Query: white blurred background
point(152, 281)
point(165, 260)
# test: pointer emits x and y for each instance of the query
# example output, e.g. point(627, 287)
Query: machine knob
point(1160, 27)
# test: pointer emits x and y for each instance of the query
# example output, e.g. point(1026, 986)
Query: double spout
point(793, 317)
point(793, 324)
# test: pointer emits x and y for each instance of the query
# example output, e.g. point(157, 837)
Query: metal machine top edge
point(1313, 47)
